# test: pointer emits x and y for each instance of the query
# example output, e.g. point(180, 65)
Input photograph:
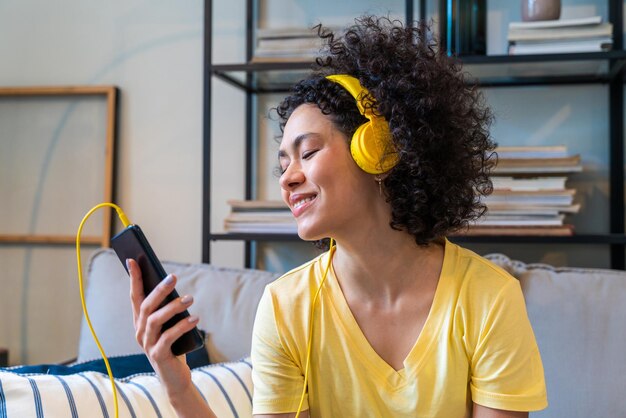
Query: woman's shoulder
point(476, 273)
point(300, 280)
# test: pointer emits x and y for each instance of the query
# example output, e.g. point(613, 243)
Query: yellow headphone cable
point(126, 223)
point(331, 251)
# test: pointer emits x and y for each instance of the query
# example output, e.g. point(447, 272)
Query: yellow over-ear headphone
point(371, 143)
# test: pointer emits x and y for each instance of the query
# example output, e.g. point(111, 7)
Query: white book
point(542, 24)
point(547, 151)
point(548, 198)
point(582, 32)
point(262, 228)
point(561, 47)
point(530, 220)
point(528, 184)
point(292, 43)
point(519, 208)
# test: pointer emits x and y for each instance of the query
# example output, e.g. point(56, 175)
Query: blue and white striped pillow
point(226, 386)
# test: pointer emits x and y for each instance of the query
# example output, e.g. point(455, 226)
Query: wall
point(153, 52)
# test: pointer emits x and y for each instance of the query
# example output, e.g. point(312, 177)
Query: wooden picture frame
point(110, 93)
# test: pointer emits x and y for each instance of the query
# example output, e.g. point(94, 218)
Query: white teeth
point(302, 202)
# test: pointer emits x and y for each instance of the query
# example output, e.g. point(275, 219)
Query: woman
point(387, 151)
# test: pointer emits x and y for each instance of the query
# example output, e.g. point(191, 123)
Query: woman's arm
point(149, 319)
point(485, 412)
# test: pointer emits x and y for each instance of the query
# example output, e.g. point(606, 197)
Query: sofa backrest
point(225, 300)
point(579, 320)
point(578, 316)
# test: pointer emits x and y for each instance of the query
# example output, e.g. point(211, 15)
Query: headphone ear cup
point(368, 150)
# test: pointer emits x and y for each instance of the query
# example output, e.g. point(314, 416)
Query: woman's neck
point(386, 267)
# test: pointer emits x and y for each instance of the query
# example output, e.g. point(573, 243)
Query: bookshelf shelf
point(488, 71)
point(598, 68)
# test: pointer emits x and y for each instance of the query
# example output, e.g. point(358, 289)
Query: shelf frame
point(615, 62)
point(616, 139)
point(613, 77)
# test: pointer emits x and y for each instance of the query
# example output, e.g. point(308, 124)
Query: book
point(286, 44)
point(544, 24)
point(531, 162)
point(528, 184)
point(525, 170)
point(260, 216)
point(602, 30)
point(567, 164)
point(275, 217)
point(535, 198)
point(520, 220)
point(561, 47)
point(517, 208)
point(257, 204)
point(262, 228)
point(563, 230)
point(553, 151)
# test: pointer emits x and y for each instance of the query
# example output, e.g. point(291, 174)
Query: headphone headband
point(371, 142)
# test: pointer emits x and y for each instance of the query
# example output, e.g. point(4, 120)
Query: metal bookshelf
point(606, 68)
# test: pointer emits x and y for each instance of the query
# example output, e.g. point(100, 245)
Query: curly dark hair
point(439, 123)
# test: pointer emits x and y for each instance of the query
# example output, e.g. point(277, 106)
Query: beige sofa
point(578, 315)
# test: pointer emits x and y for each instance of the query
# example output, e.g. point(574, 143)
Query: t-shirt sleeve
point(276, 375)
point(507, 372)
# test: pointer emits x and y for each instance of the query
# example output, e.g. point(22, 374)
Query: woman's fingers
point(163, 347)
point(149, 313)
point(155, 321)
point(136, 287)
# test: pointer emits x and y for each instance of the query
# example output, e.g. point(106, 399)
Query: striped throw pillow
point(227, 387)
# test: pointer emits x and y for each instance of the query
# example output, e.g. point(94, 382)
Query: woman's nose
point(292, 177)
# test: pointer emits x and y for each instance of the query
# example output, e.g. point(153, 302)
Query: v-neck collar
point(414, 360)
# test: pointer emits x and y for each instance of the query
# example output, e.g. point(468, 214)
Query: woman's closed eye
point(308, 154)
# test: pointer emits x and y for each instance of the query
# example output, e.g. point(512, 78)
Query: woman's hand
point(149, 317)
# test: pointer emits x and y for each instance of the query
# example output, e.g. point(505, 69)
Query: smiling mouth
point(304, 201)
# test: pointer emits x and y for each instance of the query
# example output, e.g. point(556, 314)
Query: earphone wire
point(126, 223)
point(331, 251)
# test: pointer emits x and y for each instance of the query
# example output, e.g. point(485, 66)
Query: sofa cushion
point(225, 301)
point(121, 366)
point(579, 320)
point(227, 387)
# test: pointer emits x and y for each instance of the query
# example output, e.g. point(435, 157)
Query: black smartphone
point(132, 243)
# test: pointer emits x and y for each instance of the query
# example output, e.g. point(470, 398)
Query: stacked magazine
point(561, 36)
point(259, 217)
point(530, 195)
point(286, 44)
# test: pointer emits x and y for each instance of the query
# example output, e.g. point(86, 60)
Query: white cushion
point(226, 387)
point(225, 300)
point(579, 320)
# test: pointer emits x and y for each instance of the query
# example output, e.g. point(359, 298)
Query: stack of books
point(260, 217)
point(536, 160)
point(561, 36)
point(533, 198)
point(289, 44)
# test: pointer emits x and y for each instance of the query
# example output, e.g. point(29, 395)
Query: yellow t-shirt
point(477, 345)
